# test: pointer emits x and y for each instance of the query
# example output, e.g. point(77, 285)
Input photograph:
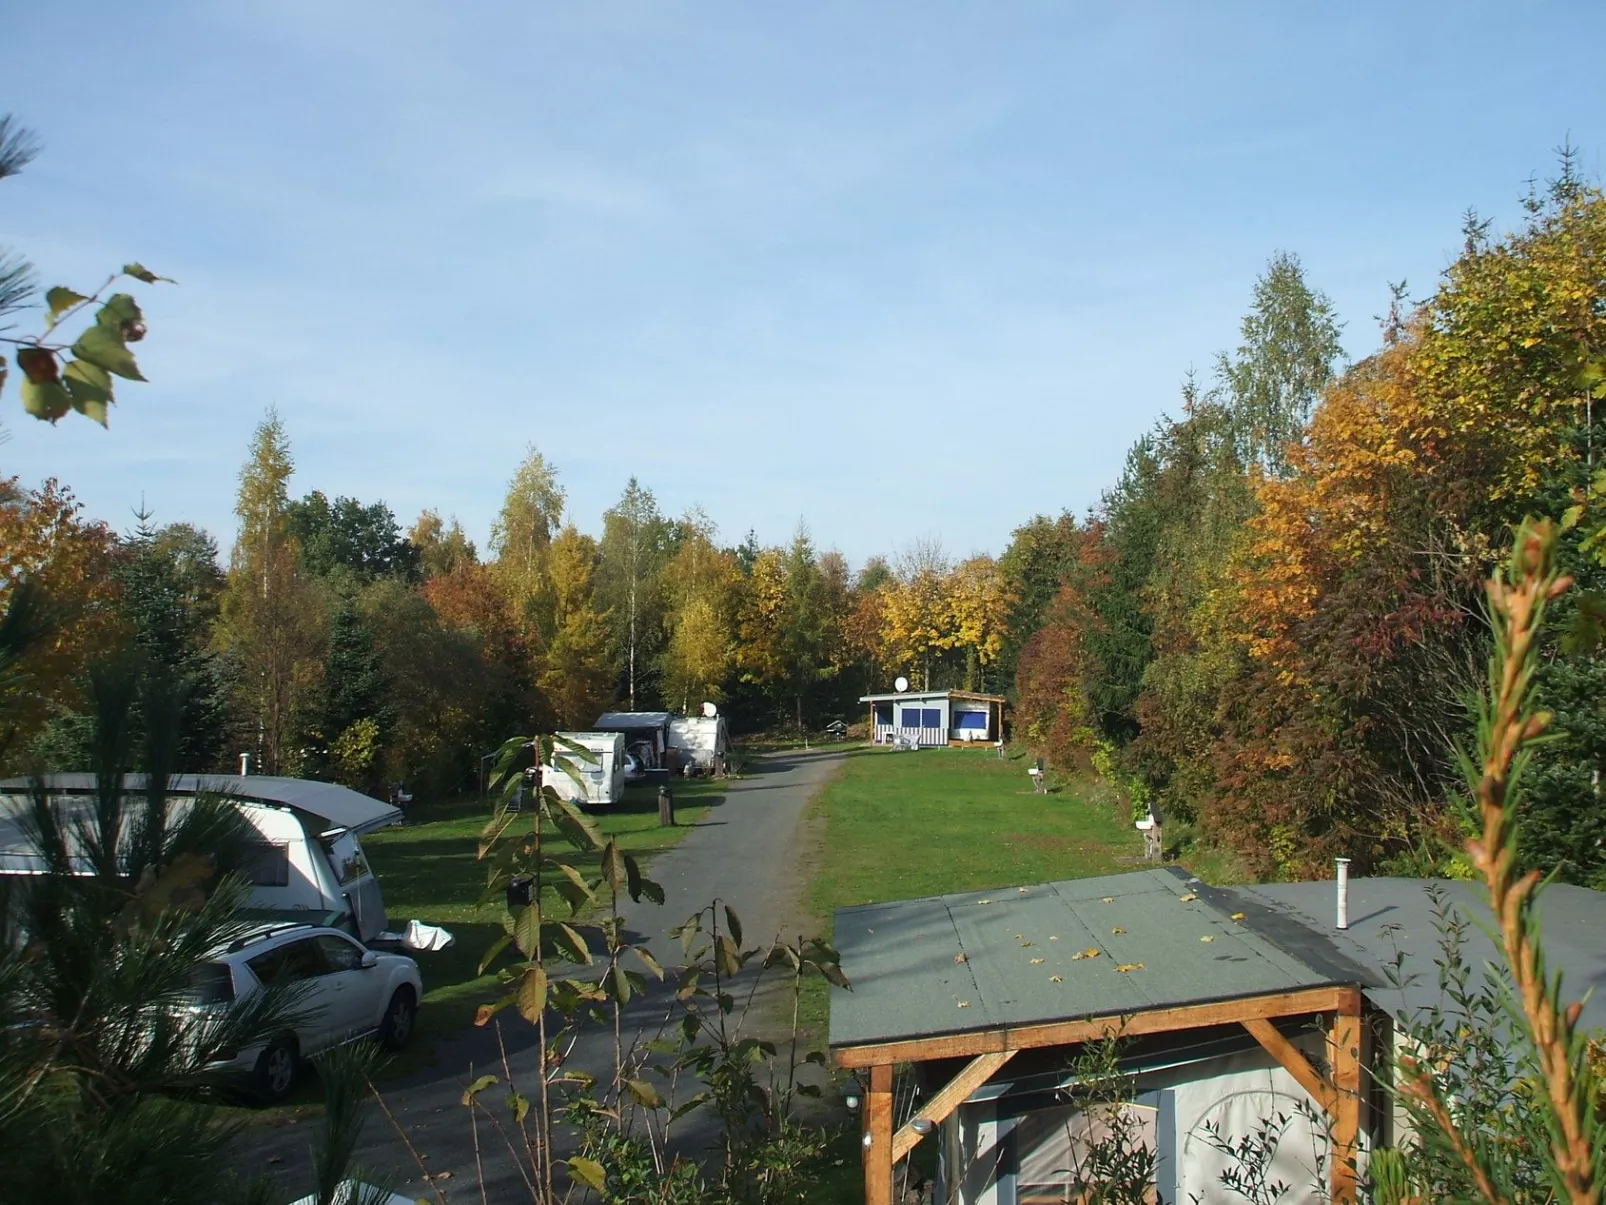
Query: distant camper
point(700, 741)
point(602, 782)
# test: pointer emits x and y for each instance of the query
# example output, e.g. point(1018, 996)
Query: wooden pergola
point(988, 1051)
point(984, 976)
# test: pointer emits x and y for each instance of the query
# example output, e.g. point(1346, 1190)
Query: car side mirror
point(369, 959)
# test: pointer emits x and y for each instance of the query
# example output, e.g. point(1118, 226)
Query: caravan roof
point(326, 805)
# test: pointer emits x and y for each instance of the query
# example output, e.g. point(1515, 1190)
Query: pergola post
point(878, 1137)
point(1345, 1056)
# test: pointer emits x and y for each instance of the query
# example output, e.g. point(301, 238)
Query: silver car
point(344, 991)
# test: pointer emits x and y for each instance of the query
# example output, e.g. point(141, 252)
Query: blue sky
point(904, 270)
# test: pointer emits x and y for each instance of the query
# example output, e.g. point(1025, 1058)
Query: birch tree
point(635, 540)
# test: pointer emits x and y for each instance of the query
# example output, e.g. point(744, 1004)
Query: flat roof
point(633, 719)
point(1115, 945)
point(1395, 918)
point(932, 694)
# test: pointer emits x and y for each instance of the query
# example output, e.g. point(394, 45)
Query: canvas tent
point(644, 731)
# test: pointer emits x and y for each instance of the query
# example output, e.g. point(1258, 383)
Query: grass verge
point(430, 872)
point(906, 825)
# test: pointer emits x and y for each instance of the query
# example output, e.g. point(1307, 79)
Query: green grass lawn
point(429, 871)
point(904, 825)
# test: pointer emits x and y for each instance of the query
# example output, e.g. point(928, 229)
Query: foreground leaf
point(588, 1172)
point(48, 401)
point(532, 993)
point(104, 346)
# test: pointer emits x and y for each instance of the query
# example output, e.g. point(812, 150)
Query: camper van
point(311, 866)
point(701, 741)
point(601, 781)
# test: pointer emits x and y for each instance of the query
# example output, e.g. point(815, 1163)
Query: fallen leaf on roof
point(1207, 937)
point(1054, 937)
point(1056, 978)
point(1090, 952)
point(1188, 899)
point(1118, 929)
point(1240, 915)
point(1026, 945)
point(964, 1004)
point(1129, 966)
point(1037, 962)
point(1020, 937)
point(960, 958)
point(1109, 899)
point(1022, 890)
point(984, 901)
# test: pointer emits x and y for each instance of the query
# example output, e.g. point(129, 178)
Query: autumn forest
point(1271, 625)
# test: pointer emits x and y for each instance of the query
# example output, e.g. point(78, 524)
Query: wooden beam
point(1293, 1062)
point(954, 1093)
point(1345, 1056)
point(878, 1137)
point(1067, 1033)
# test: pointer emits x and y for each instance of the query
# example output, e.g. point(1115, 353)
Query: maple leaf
point(1129, 966)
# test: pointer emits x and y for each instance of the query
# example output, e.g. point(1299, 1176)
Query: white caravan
point(701, 740)
point(311, 866)
point(601, 781)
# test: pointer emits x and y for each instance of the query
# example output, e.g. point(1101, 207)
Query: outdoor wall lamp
point(922, 1125)
point(852, 1093)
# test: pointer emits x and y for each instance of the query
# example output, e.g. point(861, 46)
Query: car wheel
point(396, 1030)
point(276, 1070)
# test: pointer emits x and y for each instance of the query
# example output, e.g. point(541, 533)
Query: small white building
point(935, 717)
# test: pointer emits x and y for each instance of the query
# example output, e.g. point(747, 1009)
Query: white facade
point(934, 717)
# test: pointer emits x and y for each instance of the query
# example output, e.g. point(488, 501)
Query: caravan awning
point(326, 805)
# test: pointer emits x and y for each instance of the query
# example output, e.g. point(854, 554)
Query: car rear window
point(210, 984)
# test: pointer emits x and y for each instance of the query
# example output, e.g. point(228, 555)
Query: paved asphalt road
point(746, 851)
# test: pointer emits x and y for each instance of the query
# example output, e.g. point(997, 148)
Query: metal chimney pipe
point(1343, 893)
point(245, 764)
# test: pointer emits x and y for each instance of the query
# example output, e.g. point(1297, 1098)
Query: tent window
point(1057, 1149)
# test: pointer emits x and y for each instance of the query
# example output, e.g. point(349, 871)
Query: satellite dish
point(710, 710)
point(901, 685)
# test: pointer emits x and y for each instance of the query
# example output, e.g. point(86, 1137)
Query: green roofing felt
point(988, 959)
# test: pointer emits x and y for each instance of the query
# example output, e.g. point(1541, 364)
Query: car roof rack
point(263, 932)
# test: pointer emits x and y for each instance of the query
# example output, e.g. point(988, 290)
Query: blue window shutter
point(911, 717)
point(931, 717)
